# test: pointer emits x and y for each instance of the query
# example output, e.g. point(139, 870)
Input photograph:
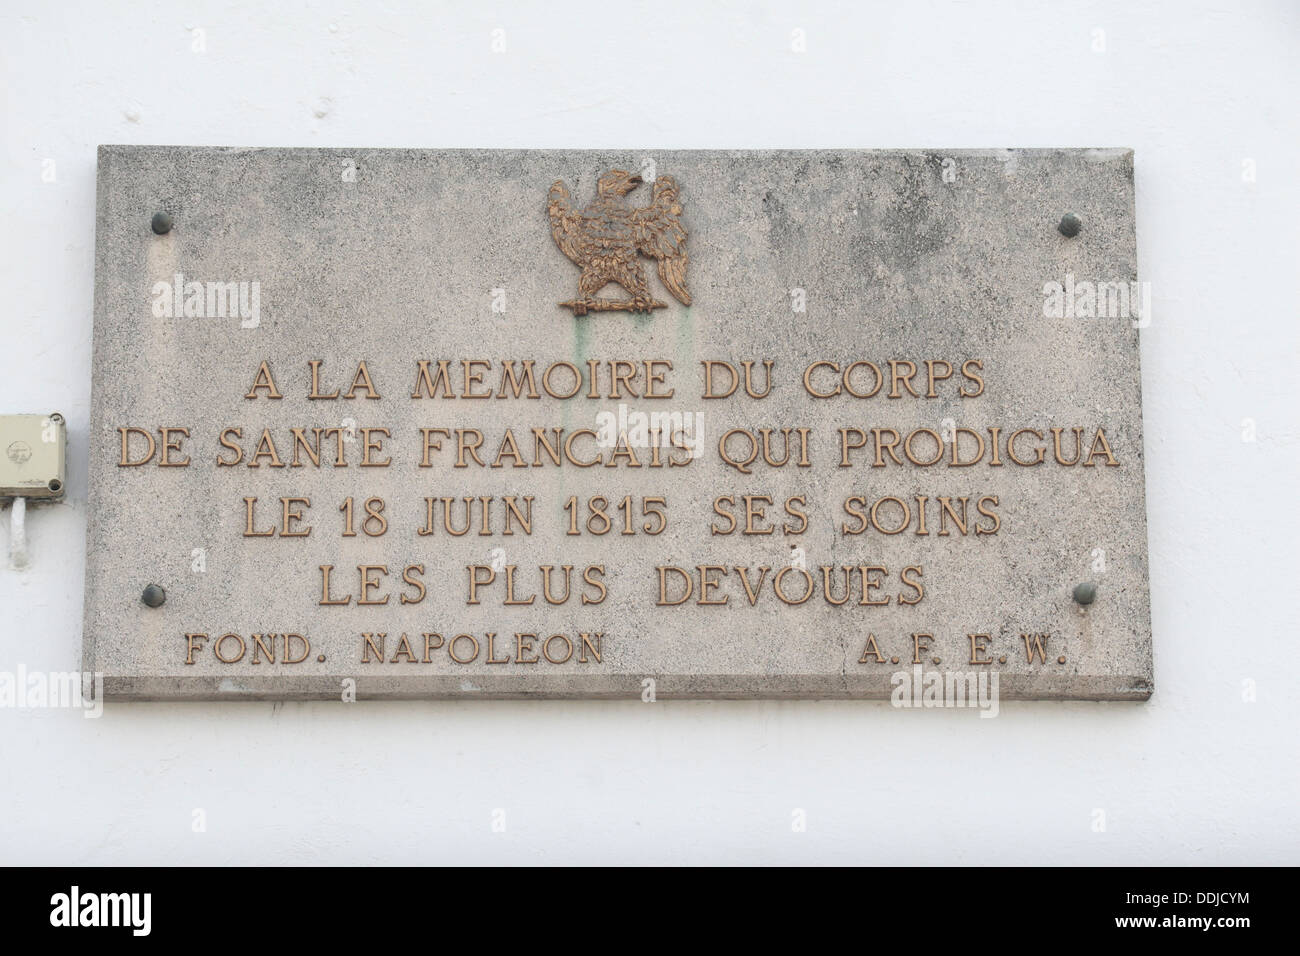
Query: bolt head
point(153, 595)
point(1085, 593)
point(1070, 225)
point(161, 223)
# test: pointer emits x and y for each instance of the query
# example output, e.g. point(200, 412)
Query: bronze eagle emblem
point(606, 237)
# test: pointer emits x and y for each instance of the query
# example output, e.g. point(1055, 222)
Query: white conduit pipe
point(18, 534)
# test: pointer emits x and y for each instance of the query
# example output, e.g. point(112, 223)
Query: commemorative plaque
point(445, 423)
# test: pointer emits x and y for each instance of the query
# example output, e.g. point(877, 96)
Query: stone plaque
point(470, 423)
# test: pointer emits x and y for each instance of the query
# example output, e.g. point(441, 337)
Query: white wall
point(1197, 775)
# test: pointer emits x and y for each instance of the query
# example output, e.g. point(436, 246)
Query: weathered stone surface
point(393, 256)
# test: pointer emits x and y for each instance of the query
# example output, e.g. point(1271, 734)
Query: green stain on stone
point(685, 334)
point(581, 338)
point(581, 347)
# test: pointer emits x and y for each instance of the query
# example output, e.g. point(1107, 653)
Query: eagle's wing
point(566, 223)
point(658, 232)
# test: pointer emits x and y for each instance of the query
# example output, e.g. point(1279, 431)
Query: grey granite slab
point(396, 256)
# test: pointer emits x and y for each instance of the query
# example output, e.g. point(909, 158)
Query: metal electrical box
point(33, 456)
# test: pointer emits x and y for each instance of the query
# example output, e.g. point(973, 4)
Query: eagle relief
point(605, 238)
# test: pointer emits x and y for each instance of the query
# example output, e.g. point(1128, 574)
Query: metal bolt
point(1085, 593)
point(153, 595)
point(1070, 225)
point(162, 223)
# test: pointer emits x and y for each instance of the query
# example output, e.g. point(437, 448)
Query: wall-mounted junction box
point(33, 456)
